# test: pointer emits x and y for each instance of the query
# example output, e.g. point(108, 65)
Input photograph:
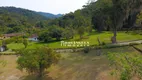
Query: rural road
point(128, 42)
point(119, 43)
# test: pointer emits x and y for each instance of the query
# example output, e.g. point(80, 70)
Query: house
point(33, 37)
point(7, 36)
point(12, 35)
point(2, 48)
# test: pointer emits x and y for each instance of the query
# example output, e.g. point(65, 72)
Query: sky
point(51, 6)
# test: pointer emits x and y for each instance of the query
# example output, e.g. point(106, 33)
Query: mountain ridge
point(16, 10)
point(50, 15)
point(13, 19)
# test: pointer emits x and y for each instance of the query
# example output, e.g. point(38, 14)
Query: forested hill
point(14, 19)
point(18, 14)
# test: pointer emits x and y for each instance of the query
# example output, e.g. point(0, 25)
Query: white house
point(2, 48)
point(33, 37)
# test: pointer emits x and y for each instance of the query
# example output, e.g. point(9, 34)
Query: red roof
point(33, 36)
point(12, 34)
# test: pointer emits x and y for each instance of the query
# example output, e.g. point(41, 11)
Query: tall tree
point(56, 32)
point(81, 32)
point(115, 12)
point(25, 42)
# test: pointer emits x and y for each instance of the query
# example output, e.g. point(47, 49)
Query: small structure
point(12, 35)
point(1, 37)
point(2, 48)
point(33, 37)
point(7, 36)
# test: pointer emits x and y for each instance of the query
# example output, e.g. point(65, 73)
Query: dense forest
point(105, 15)
point(14, 19)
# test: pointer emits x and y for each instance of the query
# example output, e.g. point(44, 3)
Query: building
point(12, 35)
point(33, 37)
point(7, 36)
point(2, 48)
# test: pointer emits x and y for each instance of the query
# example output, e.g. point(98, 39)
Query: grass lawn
point(72, 66)
point(15, 46)
point(0, 42)
point(139, 46)
point(92, 39)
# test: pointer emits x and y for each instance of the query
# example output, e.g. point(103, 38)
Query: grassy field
point(92, 39)
point(72, 66)
point(139, 46)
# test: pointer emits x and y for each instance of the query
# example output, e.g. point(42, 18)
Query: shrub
point(103, 43)
point(86, 49)
point(74, 49)
point(99, 47)
point(126, 65)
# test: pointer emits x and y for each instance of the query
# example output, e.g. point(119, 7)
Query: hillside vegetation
point(14, 19)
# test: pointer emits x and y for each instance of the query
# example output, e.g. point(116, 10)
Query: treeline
point(65, 27)
point(16, 20)
point(57, 33)
point(101, 15)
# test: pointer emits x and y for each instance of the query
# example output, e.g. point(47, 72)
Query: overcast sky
point(51, 6)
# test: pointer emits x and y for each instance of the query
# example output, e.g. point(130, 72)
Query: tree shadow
point(35, 77)
point(96, 33)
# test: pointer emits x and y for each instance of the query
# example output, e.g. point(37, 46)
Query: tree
point(89, 29)
point(25, 42)
point(67, 20)
point(139, 19)
point(56, 32)
point(79, 19)
point(18, 28)
point(37, 61)
point(81, 31)
point(94, 12)
point(68, 33)
point(45, 36)
point(40, 24)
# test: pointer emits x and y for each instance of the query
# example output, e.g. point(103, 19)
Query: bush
point(86, 49)
point(74, 49)
point(126, 65)
point(103, 43)
point(98, 47)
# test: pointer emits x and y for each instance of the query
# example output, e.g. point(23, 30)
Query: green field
point(139, 46)
point(92, 39)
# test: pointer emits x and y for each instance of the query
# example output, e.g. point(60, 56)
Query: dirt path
point(80, 49)
point(128, 42)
